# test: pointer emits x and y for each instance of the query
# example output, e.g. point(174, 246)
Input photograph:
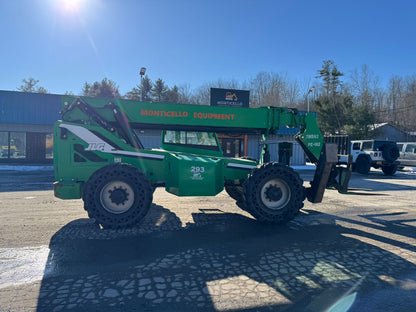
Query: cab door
point(232, 147)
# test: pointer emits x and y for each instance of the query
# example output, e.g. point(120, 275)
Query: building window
point(4, 144)
point(13, 145)
point(25, 147)
point(17, 145)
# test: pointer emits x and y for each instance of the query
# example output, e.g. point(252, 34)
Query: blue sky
point(64, 44)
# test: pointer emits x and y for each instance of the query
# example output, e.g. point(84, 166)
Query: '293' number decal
point(195, 169)
point(197, 172)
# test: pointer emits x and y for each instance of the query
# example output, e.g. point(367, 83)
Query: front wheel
point(117, 196)
point(363, 165)
point(274, 193)
point(235, 192)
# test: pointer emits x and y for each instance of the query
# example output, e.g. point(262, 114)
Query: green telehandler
point(98, 157)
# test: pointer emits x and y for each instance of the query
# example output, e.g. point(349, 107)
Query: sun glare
point(71, 5)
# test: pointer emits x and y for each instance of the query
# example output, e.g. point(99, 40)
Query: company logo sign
point(229, 97)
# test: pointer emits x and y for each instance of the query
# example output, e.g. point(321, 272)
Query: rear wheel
point(389, 170)
point(274, 193)
point(235, 192)
point(117, 196)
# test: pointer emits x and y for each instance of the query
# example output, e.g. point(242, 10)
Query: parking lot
point(353, 251)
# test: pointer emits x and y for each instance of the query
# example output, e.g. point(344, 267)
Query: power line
point(408, 107)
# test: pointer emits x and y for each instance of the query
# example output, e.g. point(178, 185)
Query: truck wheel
point(117, 196)
point(274, 193)
point(389, 170)
point(362, 165)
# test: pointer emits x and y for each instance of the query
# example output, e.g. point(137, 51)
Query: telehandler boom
point(98, 157)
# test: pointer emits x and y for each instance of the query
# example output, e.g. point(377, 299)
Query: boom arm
point(264, 120)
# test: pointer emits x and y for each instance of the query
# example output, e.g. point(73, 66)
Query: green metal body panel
point(184, 174)
point(83, 144)
point(311, 138)
point(168, 114)
point(191, 175)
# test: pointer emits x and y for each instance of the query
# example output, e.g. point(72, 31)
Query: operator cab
point(195, 142)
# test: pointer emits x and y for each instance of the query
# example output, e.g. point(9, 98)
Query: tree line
point(351, 104)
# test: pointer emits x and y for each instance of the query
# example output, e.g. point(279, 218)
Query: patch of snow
point(25, 168)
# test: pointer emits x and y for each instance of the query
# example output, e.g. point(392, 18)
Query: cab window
point(195, 140)
point(400, 146)
point(367, 146)
point(190, 138)
point(411, 148)
point(356, 146)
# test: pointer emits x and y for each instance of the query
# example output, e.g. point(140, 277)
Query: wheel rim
point(117, 197)
point(275, 194)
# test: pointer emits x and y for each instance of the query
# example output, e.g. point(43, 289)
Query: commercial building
point(26, 126)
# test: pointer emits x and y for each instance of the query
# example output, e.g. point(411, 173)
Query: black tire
point(362, 165)
point(390, 152)
point(389, 170)
point(117, 196)
point(235, 192)
point(242, 204)
point(274, 193)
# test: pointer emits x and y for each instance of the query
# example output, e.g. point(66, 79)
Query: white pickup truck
point(407, 156)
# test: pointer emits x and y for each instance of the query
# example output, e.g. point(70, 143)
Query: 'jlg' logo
point(96, 147)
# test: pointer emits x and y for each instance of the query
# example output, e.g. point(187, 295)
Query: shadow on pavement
point(18, 181)
point(374, 182)
point(221, 261)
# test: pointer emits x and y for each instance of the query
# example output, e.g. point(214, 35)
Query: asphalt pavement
point(352, 252)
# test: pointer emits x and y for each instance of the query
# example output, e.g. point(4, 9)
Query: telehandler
point(98, 157)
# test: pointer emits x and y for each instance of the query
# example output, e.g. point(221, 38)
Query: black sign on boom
point(230, 97)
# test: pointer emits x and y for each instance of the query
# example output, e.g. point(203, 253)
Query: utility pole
point(142, 72)
point(307, 96)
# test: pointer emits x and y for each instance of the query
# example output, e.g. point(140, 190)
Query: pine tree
point(106, 89)
point(331, 105)
point(159, 91)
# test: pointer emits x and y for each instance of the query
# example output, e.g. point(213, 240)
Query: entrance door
point(231, 147)
point(35, 146)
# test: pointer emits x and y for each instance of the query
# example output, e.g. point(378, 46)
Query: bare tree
point(394, 99)
point(407, 108)
point(185, 94)
point(30, 85)
point(363, 86)
point(272, 89)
